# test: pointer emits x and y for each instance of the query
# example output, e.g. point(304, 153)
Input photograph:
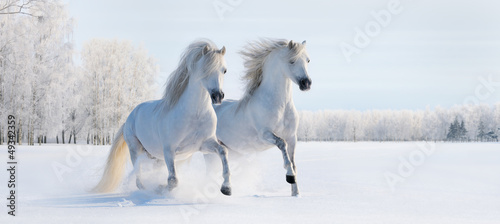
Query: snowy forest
point(59, 95)
point(459, 123)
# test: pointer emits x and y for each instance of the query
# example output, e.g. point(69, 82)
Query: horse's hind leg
point(136, 149)
point(169, 154)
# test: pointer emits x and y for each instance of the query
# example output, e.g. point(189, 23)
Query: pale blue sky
point(432, 53)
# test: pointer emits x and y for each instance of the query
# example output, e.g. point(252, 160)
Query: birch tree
point(118, 76)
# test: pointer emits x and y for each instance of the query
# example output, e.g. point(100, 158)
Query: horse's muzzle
point(305, 84)
point(217, 96)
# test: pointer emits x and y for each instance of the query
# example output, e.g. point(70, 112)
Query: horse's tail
point(115, 166)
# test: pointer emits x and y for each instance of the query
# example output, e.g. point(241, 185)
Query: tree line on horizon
point(461, 123)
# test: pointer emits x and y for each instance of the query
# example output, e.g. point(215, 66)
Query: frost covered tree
point(306, 131)
point(11, 7)
point(35, 50)
point(481, 131)
point(458, 123)
point(48, 93)
point(118, 76)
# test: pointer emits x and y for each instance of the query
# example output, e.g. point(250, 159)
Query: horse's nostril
point(217, 96)
point(303, 82)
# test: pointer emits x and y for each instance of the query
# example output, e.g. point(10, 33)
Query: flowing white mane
point(255, 56)
point(179, 78)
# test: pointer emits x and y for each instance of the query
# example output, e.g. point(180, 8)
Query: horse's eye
point(291, 62)
point(225, 70)
point(308, 60)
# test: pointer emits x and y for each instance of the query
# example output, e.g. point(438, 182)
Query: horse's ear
point(290, 45)
point(304, 42)
point(205, 50)
point(223, 50)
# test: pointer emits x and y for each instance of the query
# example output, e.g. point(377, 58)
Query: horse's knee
point(281, 143)
point(222, 150)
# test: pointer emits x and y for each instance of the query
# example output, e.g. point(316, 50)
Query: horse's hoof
point(295, 190)
point(290, 179)
point(171, 187)
point(226, 190)
point(172, 183)
point(297, 195)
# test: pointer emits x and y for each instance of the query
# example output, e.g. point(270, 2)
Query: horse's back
point(144, 111)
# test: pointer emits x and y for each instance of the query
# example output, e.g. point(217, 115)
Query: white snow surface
point(340, 182)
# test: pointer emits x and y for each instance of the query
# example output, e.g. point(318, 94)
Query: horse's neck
point(196, 95)
point(276, 86)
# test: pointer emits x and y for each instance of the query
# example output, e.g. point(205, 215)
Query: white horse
point(180, 124)
point(266, 115)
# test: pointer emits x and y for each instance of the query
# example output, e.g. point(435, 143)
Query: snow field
point(340, 182)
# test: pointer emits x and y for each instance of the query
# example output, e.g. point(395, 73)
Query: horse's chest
point(199, 127)
point(285, 123)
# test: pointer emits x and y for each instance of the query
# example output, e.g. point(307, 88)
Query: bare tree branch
point(17, 6)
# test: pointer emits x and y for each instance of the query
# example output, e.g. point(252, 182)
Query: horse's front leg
point(169, 154)
point(211, 145)
point(292, 141)
point(281, 144)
